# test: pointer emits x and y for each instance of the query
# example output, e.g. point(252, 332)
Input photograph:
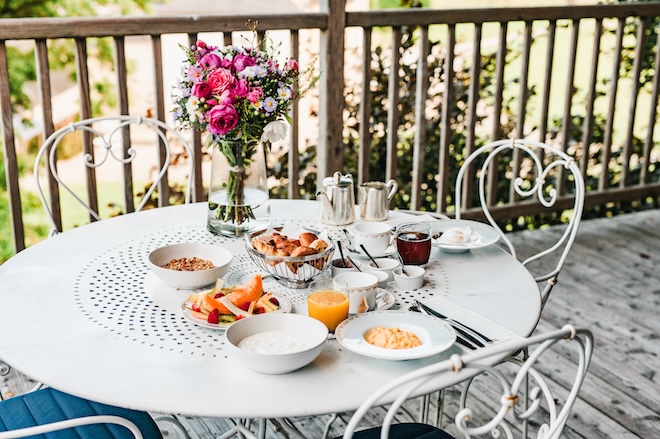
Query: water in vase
point(253, 215)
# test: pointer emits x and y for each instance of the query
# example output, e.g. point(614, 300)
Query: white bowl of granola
point(189, 265)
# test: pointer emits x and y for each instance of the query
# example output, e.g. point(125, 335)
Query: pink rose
point(222, 119)
point(220, 80)
point(292, 66)
point(201, 90)
point(225, 98)
point(210, 61)
point(242, 61)
point(254, 95)
point(239, 88)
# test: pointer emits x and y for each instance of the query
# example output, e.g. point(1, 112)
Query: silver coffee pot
point(374, 199)
point(337, 200)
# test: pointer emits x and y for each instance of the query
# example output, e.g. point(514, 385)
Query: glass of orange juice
point(328, 302)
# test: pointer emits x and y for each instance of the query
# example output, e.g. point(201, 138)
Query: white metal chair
point(66, 416)
point(114, 138)
point(509, 405)
point(538, 173)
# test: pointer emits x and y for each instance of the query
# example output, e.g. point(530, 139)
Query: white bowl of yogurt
point(276, 343)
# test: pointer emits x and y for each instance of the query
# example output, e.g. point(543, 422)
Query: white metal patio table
point(82, 312)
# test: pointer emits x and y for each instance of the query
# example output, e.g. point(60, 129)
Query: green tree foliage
point(462, 79)
point(61, 54)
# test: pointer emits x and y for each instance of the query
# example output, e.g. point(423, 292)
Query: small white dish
point(436, 335)
point(386, 265)
point(383, 277)
point(337, 267)
point(412, 280)
point(301, 337)
point(186, 311)
point(190, 280)
point(487, 235)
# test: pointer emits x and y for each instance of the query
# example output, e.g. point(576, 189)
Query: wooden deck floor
point(610, 284)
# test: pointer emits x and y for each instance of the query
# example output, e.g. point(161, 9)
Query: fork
point(460, 339)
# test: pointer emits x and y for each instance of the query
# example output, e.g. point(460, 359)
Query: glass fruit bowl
point(292, 271)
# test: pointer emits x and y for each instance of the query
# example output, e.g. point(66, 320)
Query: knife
point(466, 331)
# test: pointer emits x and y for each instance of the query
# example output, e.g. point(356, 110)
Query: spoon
point(403, 270)
point(352, 262)
point(367, 253)
point(341, 252)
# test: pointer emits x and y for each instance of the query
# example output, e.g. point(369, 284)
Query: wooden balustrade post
point(331, 91)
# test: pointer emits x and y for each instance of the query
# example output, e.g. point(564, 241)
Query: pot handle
point(393, 187)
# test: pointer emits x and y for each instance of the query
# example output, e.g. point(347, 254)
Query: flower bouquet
point(241, 97)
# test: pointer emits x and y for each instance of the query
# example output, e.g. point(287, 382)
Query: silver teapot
point(374, 199)
point(337, 200)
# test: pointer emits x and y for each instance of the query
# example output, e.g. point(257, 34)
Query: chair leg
point(172, 420)
point(440, 408)
point(328, 425)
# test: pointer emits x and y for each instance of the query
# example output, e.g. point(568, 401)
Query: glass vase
point(238, 192)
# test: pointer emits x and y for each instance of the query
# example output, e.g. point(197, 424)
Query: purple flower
point(269, 104)
point(222, 119)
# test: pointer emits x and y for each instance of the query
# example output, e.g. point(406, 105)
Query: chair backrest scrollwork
point(109, 138)
point(538, 173)
point(513, 404)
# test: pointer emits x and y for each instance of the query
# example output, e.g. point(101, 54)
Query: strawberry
point(245, 306)
point(259, 310)
point(239, 318)
point(213, 316)
point(274, 301)
point(219, 295)
point(196, 307)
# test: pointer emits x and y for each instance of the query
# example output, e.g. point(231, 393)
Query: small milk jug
point(374, 199)
point(337, 200)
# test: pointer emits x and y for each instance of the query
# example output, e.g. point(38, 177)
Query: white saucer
point(487, 235)
point(285, 306)
point(359, 254)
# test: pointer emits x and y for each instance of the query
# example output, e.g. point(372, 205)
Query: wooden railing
point(515, 30)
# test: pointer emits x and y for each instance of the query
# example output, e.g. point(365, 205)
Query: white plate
point(435, 334)
point(360, 254)
point(385, 301)
point(285, 306)
point(487, 235)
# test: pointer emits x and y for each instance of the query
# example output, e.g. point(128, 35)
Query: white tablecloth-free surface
point(83, 313)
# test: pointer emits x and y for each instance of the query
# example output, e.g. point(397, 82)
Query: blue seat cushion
point(49, 405)
point(411, 430)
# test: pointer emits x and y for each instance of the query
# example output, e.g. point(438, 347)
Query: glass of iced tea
point(328, 302)
point(413, 242)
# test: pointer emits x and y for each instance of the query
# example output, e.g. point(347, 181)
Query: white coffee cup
point(362, 289)
point(374, 236)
